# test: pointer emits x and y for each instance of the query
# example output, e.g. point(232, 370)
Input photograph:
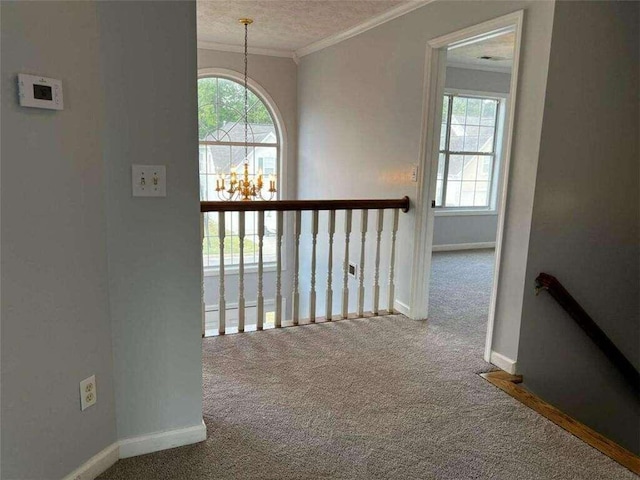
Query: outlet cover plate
point(88, 392)
point(149, 180)
point(353, 270)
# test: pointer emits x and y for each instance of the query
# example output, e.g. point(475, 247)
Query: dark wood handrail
point(551, 284)
point(295, 205)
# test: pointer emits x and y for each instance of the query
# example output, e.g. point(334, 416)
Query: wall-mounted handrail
point(547, 282)
point(300, 205)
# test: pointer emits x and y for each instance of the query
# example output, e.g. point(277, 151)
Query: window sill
point(234, 270)
point(440, 212)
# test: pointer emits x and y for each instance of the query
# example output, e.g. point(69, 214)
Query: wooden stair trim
point(510, 384)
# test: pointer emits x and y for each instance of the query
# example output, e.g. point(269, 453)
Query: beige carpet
point(367, 399)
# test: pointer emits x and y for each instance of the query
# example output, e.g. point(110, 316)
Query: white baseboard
point(503, 362)
point(130, 447)
point(153, 442)
point(401, 307)
point(463, 246)
point(96, 465)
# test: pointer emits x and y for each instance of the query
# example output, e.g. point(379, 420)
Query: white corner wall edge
point(503, 362)
point(96, 465)
point(131, 447)
point(401, 307)
point(463, 246)
point(154, 442)
point(384, 17)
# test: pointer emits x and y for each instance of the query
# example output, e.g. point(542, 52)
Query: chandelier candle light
point(248, 186)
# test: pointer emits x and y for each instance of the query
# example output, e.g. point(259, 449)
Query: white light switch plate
point(149, 180)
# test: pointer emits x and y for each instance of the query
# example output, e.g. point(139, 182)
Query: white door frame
point(435, 68)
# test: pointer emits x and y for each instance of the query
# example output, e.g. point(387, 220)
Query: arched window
point(221, 132)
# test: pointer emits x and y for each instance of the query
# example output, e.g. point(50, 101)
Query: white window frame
point(281, 159)
point(497, 172)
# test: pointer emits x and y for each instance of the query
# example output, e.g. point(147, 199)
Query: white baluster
point(241, 234)
point(332, 231)
point(260, 305)
point(314, 242)
point(345, 273)
point(296, 266)
point(363, 239)
point(376, 270)
point(278, 319)
point(394, 231)
point(222, 307)
point(203, 311)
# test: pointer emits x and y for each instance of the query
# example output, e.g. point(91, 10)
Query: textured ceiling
point(283, 25)
point(500, 47)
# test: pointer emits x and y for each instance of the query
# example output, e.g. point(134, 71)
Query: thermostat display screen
point(36, 91)
point(42, 92)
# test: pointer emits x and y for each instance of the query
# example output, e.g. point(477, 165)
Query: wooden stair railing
point(304, 205)
point(547, 282)
point(293, 209)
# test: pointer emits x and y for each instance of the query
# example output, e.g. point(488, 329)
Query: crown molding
point(362, 27)
point(325, 42)
point(484, 68)
point(223, 47)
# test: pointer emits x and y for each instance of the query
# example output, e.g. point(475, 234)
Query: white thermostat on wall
point(40, 92)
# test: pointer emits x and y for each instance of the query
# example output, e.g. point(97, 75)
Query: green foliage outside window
point(221, 101)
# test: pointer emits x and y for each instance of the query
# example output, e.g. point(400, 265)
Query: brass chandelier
point(246, 186)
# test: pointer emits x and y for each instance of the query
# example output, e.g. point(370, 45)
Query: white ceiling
point(500, 47)
point(287, 25)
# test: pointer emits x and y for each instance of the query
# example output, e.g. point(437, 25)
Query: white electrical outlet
point(353, 270)
point(88, 392)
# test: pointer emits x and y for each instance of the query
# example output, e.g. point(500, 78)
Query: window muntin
point(221, 132)
point(466, 163)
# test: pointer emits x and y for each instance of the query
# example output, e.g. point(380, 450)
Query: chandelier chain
point(246, 98)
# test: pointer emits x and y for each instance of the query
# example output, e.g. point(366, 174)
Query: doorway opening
point(471, 82)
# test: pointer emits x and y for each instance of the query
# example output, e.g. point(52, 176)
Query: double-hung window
point(467, 162)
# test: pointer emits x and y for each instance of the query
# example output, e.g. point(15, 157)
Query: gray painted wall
point(149, 69)
point(278, 76)
point(360, 115)
point(129, 73)
point(55, 310)
point(461, 229)
point(585, 220)
point(457, 229)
